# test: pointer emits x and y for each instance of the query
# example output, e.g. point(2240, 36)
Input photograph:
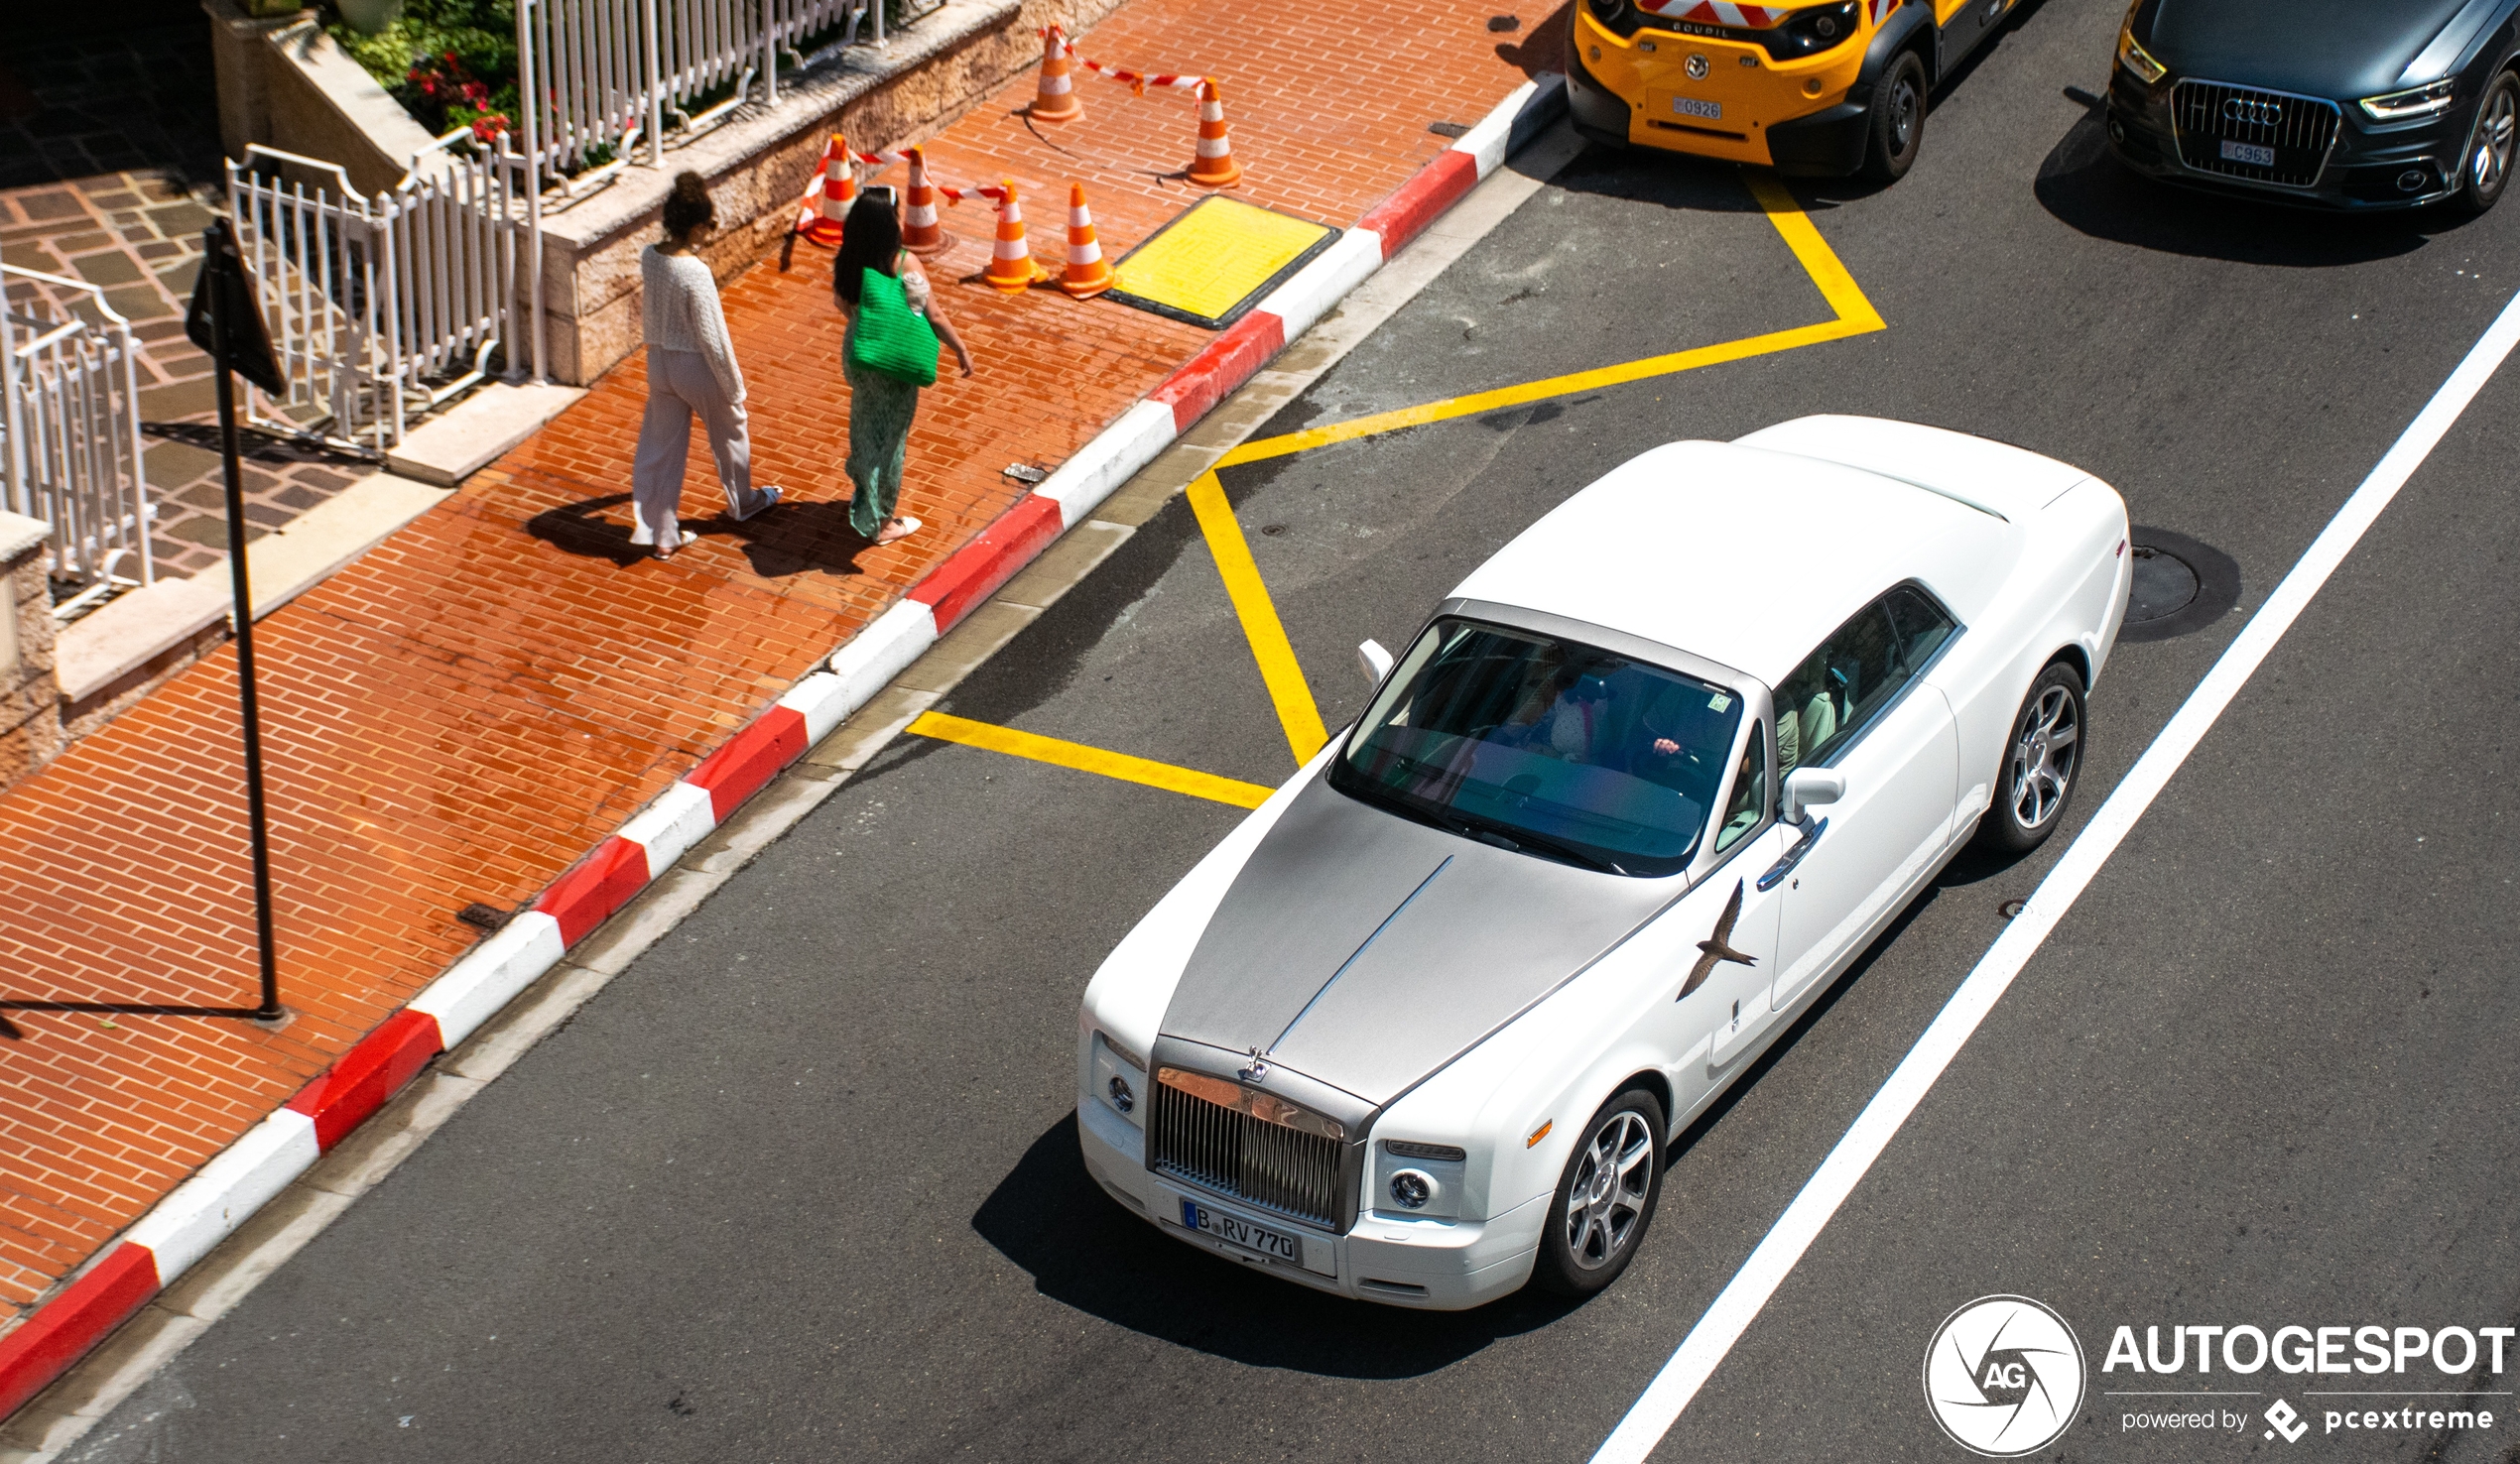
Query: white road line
point(1732, 1312)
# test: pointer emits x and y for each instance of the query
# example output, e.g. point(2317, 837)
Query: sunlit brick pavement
point(464, 711)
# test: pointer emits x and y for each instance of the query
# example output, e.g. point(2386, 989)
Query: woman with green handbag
point(889, 352)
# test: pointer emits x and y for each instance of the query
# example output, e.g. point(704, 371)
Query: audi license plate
point(1689, 106)
point(1233, 1232)
point(2249, 152)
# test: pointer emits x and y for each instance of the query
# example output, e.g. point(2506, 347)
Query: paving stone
point(169, 463)
point(49, 205)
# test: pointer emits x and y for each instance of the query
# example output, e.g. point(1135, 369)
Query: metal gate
point(69, 432)
point(380, 309)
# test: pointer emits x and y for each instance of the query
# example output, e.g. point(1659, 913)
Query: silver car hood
point(1366, 951)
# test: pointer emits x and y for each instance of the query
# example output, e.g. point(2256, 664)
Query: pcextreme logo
point(2003, 1376)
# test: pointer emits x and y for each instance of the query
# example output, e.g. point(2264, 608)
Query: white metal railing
point(602, 77)
point(69, 433)
point(380, 307)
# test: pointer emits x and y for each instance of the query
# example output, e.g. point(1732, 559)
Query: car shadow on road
point(2082, 185)
point(1085, 1249)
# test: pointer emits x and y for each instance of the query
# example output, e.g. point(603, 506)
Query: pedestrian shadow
point(2083, 187)
point(1084, 1250)
point(791, 538)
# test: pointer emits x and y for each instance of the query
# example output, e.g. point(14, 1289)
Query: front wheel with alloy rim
point(2485, 168)
point(1605, 1200)
point(1897, 118)
point(2042, 760)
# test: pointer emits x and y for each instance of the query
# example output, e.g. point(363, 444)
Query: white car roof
point(1746, 555)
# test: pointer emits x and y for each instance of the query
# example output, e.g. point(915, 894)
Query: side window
point(1749, 790)
point(1920, 624)
point(1840, 687)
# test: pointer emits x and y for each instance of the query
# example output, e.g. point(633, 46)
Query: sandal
point(769, 501)
point(900, 529)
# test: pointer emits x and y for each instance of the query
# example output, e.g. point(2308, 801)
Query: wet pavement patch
point(2180, 586)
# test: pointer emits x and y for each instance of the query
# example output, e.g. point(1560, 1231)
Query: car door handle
point(1786, 861)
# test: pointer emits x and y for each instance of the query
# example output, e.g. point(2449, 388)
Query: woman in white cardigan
point(691, 369)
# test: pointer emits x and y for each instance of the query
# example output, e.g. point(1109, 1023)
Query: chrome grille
point(2298, 130)
point(1266, 1162)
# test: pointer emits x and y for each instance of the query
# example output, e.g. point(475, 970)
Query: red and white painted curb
point(206, 1209)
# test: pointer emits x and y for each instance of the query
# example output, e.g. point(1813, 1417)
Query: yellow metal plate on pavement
point(1215, 259)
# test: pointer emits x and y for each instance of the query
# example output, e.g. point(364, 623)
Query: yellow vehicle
point(1833, 88)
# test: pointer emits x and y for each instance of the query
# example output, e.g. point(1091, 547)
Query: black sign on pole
point(227, 320)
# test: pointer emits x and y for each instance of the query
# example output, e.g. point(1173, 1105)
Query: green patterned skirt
point(880, 411)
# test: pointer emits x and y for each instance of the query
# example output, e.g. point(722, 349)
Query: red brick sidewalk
point(463, 712)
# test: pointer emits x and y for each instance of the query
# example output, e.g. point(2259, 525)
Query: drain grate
point(2180, 586)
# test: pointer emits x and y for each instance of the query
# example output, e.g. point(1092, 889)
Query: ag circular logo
point(2003, 1376)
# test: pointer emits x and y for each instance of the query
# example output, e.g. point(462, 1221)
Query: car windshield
point(1555, 747)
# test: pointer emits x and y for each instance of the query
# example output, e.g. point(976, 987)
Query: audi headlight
point(2415, 101)
point(2136, 58)
point(1813, 31)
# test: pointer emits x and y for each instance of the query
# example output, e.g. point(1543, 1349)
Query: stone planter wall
point(30, 702)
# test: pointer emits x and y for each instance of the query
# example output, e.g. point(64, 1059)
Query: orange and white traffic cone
point(840, 190)
point(1011, 266)
point(1088, 275)
point(1057, 100)
point(1215, 166)
point(920, 233)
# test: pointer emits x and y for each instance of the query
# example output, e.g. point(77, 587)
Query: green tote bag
point(891, 338)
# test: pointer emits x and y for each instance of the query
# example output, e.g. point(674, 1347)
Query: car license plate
point(1225, 1227)
point(1689, 106)
point(2249, 152)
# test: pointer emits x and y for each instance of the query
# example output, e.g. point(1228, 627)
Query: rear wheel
point(1897, 117)
point(2484, 168)
point(1605, 1200)
point(2042, 761)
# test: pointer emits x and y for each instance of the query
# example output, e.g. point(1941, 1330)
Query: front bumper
point(1792, 115)
point(2370, 167)
point(1437, 1265)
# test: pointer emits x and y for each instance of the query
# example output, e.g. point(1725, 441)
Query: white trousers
point(680, 384)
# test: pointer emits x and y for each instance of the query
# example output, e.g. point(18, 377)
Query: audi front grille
point(1247, 1143)
point(2268, 137)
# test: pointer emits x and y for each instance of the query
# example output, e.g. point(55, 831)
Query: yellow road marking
point(1284, 676)
point(1260, 625)
point(1854, 316)
point(1083, 759)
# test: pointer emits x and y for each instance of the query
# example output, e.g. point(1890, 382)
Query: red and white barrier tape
point(1136, 81)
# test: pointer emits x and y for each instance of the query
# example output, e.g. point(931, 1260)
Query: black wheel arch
point(1909, 28)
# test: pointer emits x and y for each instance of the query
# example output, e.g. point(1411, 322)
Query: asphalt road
point(801, 1184)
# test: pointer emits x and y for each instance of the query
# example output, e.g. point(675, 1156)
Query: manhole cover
point(2180, 586)
point(2164, 585)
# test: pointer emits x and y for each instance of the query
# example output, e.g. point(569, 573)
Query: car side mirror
point(1805, 787)
point(1374, 661)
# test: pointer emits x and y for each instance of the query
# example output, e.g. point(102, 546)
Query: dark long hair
point(869, 240)
point(688, 207)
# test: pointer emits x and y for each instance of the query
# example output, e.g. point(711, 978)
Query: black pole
point(249, 705)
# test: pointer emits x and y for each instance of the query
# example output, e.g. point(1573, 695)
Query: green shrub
point(450, 63)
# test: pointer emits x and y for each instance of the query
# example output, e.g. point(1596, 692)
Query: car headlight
point(1119, 1078)
point(1419, 1181)
point(1813, 31)
point(2415, 101)
point(2136, 58)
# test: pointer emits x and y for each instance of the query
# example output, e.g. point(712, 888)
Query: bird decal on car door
point(1718, 945)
